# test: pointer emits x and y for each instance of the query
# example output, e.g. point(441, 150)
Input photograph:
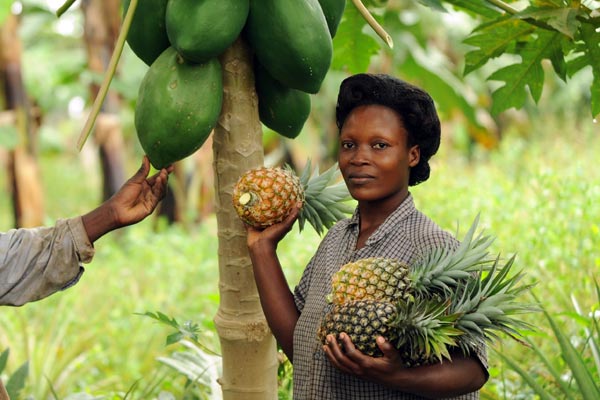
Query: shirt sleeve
point(37, 262)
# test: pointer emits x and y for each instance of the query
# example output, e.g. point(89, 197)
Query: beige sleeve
point(37, 262)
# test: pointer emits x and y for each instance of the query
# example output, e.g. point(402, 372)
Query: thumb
point(386, 347)
point(142, 173)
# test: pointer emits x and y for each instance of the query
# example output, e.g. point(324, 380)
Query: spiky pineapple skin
point(375, 278)
point(363, 321)
point(274, 192)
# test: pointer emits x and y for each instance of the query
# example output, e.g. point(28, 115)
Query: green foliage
point(16, 381)
point(353, 47)
point(562, 32)
point(579, 376)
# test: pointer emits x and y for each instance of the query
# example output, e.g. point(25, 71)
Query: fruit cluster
point(180, 96)
point(450, 300)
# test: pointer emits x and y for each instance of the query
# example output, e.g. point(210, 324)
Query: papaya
point(333, 11)
point(283, 109)
point(177, 107)
point(291, 39)
point(202, 29)
point(147, 36)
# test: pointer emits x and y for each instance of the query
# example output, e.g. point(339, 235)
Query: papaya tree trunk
point(248, 348)
point(102, 20)
point(23, 170)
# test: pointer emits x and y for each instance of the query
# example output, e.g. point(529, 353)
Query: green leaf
point(572, 357)
point(4, 359)
point(527, 377)
point(352, 47)
point(434, 5)
point(529, 72)
point(563, 19)
point(16, 382)
point(478, 7)
point(591, 43)
point(493, 39)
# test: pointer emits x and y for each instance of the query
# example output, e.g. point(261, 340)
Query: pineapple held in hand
point(265, 196)
point(451, 298)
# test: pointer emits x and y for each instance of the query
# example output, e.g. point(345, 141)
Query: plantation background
point(533, 180)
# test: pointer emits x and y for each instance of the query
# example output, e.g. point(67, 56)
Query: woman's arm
point(276, 299)
point(464, 374)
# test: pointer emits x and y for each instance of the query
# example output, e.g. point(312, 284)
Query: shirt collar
point(405, 208)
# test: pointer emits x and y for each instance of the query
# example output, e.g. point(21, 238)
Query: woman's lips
point(360, 179)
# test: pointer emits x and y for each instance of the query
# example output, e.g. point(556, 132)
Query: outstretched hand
point(139, 196)
point(346, 357)
point(135, 200)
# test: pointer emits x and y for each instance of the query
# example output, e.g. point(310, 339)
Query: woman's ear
point(414, 155)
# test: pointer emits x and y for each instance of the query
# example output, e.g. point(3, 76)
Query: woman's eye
point(347, 145)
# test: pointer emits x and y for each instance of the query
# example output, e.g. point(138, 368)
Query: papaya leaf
point(434, 5)
point(478, 7)
point(529, 72)
point(493, 39)
point(352, 47)
point(563, 19)
point(591, 46)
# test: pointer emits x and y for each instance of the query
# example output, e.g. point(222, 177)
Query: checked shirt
point(407, 234)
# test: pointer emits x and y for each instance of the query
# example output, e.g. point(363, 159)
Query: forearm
point(447, 379)
point(99, 222)
point(275, 296)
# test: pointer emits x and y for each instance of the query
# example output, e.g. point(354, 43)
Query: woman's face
point(373, 158)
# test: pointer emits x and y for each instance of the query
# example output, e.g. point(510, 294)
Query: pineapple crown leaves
point(488, 306)
point(425, 329)
point(443, 268)
point(325, 198)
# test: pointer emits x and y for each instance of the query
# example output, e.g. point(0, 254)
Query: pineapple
point(380, 279)
point(265, 196)
point(390, 280)
point(452, 299)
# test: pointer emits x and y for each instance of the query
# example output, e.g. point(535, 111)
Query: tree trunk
point(101, 28)
point(23, 169)
point(248, 348)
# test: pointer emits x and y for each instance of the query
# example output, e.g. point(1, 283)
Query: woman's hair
point(414, 105)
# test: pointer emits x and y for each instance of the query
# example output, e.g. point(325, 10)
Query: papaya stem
point(110, 72)
point(373, 23)
point(63, 9)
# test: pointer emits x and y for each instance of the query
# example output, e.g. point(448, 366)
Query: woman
point(388, 129)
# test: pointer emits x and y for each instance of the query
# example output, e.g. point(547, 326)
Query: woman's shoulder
point(426, 233)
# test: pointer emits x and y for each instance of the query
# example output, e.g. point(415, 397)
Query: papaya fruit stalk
point(373, 23)
point(110, 73)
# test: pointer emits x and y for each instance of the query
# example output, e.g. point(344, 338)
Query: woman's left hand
point(352, 361)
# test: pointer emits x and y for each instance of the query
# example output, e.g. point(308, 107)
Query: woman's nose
point(360, 156)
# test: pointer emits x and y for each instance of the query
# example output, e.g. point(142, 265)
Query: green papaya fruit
point(203, 29)
point(177, 107)
point(281, 108)
point(333, 11)
point(147, 36)
point(291, 40)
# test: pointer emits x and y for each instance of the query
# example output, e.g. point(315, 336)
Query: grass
point(540, 197)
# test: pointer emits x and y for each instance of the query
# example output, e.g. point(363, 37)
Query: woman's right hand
point(271, 235)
